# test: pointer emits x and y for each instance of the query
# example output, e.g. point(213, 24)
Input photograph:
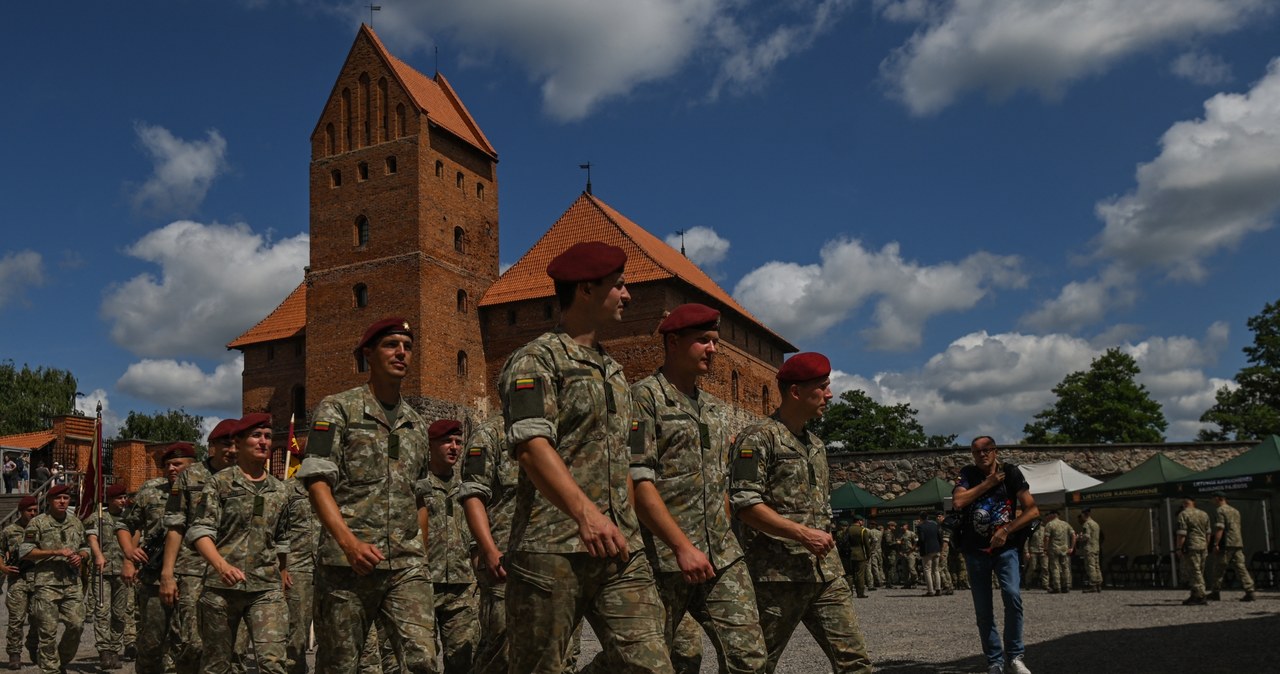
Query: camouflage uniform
point(21, 589)
point(1057, 534)
point(577, 399)
point(146, 515)
point(302, 569)
point(876, 564)
point(249, 522)
point(857, 548)
point(890, 556)
point(58, 598)
point(109, 610)
point(682, 447)
point(944, 560)
point(184, 505)
point(378, 474)
point(1090, 546)
point(1232, 549)
point(1038, 562)
point(453, 581)
point(1193, 523)
point(908, 558)
point(774, 467)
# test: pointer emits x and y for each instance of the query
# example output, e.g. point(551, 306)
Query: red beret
point(58, 490)
point(27, 502)
point(179, 450)
point(224, 429)
point(688, 316)
point(587, 261)
point(439, 429)
point(115, 490)
point(394, 325)
point(251, 421)
point(804, 366)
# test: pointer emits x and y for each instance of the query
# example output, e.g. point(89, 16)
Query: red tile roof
point(34, 440)
point(648, 258)
point(287, 320)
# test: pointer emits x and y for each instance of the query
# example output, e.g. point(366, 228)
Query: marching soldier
point(1229, 545)
point(448, 551)
point(1192, 546)
point(487, 495)
point(366, 472)
point(300, 595)
point(110, 609)
point(1059, 544)
point(21, 584)
point(54, 542)
point(780, 489)
point(1090, 544)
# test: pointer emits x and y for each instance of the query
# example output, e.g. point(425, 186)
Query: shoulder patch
point(746, 465)
point(474, 463)
point(320, 442)
point(525, 400)
point(637, 437)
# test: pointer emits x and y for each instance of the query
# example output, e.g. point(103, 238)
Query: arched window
point(462, 363)
point(366, 104)
point(335, 178)
point(511, 316)
point(383, 110)
point(459, 240)
point(346, 119)
point(479, 190)
point(462, 301)
point(299, 398)
point(361, 231)
point(362, 169)
point(439, 169)
point(362, 365)
point(459, 179)
point(391, 164)
point(400, 130)
point(330, 139)
point(733, 386)
point(764, 400)
point(360, 296)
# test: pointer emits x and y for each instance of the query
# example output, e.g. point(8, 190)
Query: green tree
point(1100, 405)
point(1252, 409)
point(170, 426)
point(863, 424)
point(30, 398)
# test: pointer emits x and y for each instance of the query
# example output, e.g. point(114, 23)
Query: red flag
point(295, 452)
point(92, 487)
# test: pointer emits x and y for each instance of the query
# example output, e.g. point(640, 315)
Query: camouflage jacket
point(578, 399)
point(10, 540)
point(1194, 524)
point(1057, 536)
point(302, 548)
point(491, 474)
point(108, 543)
point(46, 533)
point(773, 466)
point(449, 539)
point(1035, 544)
point(378, 474)
point(249, 522)
point(186, 498)
point(686, 456)
point(908, 543)
point(1228, 519)
point(146, 514)
point(1090, 538)
point(874, 539)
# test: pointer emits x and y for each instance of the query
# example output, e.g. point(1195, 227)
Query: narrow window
point(480, 190)
point(361, 231)
point(462, 363)
point(391, 164)
point(346, 119)
point(733, 386)
point(400, 130)
point(459, 240)
point(330, 139)
point(383, 110)
point(439, 169)
point(462, 301)
point(764, 399)
point(366, 101)
point(360, 294)
point(363, 169)
point(271, 352)
point(459, 179)
point(511, 316)
point(335, 178)
point(362, 365)
point(300, 402)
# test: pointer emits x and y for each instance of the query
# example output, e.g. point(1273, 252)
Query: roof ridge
point(238, 341)
point(529, 251)
point(467, 119)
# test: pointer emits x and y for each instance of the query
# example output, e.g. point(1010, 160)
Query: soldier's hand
point(694, 565)
point(73, 557)
point(168, 590)
point(101, 563)
point(230, 574)
point(817, 541)
point(129, 573)
point(363, 557)
point(137, 555)
point(602, 537)
point(491, 563)
point(286, 580)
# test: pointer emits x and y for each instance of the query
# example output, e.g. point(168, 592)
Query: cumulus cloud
point(1005, 46)
point(584, 52)
point(807, 300)
point(88, 406)
point(183, 384)
point(1201, 68)
point(215, 281)
point(183, 170)
point(702, 245)
point(1082, 303)
point(19, 271)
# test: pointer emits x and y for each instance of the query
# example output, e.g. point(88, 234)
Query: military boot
point(15, 661)
point(1193, 600)
point(1248, 596)
point(1214, 596)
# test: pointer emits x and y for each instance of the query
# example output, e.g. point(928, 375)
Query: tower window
point(462, 301)
point(362, 365)
point(459, 179)
point(346, 119)
point(511, 316)
point(363, 170)
point(382, 108)
point(462, 363)
point(733, 386)
point(330, 139)
point(459, 240)
point(391, 164)
point(271, 352)
point(362, 231)
point(335, 178)
point(300, 402)
point(764, 400)
point(366, 117)
point(479, 190)
point(439, 169)
point(400, 130)
point(360, 294)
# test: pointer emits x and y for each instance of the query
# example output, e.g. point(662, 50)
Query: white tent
point(1051, 480)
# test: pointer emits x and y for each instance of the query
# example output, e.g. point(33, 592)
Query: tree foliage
point(1100, 405)
point(30, 398)
point(170, 426)
point(863, 424)
point(1252, 409)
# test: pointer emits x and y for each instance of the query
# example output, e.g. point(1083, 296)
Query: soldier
point(875, 565)
point(1059, 544)
point(890, 554)
point(21, 584)
point(110, 608)
point(1192, 546)
point(1090, 544)
point(142, 559)
point(241, 529)
point(487, 495)
point(448, 547)
point(300, 595)
point(1037, 560)
point(54, 543)
point(366, 472)
point(780, 489)
point(946, 529)
point(183, 570)
point(858, 541)
point(575, 532)
point(680, 446)
point(909, 556)
point(1229, 545)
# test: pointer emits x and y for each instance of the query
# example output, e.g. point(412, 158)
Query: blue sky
point(959, 202)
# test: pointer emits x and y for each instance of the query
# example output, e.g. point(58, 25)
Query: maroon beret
point(688, 316)
point(225, 429)
point(804, 366)
point(393, 325)
point(27, 502)
point(58, 490)
point(116, 490)
point(179, 450)
point(587, 261)
point(439, 429)
point(251, 421)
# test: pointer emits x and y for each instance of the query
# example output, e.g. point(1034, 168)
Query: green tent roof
point(1256, 470)
point(1147, 480)
point(850, 496)
point(928, 496)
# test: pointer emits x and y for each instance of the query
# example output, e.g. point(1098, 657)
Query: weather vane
point(587, 166)
point(681, 233)
point(372, 9)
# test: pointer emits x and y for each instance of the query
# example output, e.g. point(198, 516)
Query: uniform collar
point(373, 409)
point(676, 398)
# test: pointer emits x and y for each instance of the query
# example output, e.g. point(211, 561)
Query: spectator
point(42, 474)
point(930, 548)
point(10, 473)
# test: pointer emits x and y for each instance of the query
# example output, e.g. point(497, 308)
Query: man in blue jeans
point(986, 495)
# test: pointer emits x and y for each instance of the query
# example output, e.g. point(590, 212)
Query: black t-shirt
point(990, 510)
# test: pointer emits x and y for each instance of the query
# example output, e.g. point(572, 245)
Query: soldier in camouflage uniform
point(54, 542)
point(780, 488)
point(680, 451)
point(1090, 544)
point(575, 533)
point(21, 583)
point(453, 582)
point(1229, 546)
point(1059, 543)
point(1037, 560)
point(242, 530)
point(946, 528)
point(300, 594)
point(857, 539)
point(890, 554)
point(908, 556)
point(109, 609)
point(1192, 546)
point(366, 472)
point(875, 565)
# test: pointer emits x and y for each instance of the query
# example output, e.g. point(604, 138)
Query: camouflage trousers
point(109, 612)
point(54, 605)
point(130, 633)
point(859, 575)
point(185, 645)
point(154, 630)
point(1037, 571)
point(907, 568)
point(548, 595)
point(457, 619)
point(1059, 571)
point(876, 564)
point(1234, 558)
point(300, 600)
point(347, 605)
point(1092, 569)
point(826, 609)
point(264, 613)
point(725, 607)
point(686, 650)
point(890, 561)
point(1193, 570)
point(491, 652)
point(18, 602)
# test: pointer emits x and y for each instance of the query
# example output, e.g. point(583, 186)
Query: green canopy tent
point(1254, 473)
point(849, 499)
point(932, 495)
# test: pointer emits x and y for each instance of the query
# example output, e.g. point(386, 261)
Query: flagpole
point(100, 493)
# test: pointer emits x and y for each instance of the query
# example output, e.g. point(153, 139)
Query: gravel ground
point(1133, 631)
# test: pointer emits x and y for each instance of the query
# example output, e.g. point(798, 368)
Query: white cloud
point(1082, 303)
point(19, 271)
point(584, 52)
point(1005, 46)
point(215, 282)
point(702, 245)
point(184, 170)
point(807, 300)
point(174, 384)
point(1201, 68)
point(88, 406)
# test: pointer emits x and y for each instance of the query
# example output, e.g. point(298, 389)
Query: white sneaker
point(996, 669)
point(1016, 666)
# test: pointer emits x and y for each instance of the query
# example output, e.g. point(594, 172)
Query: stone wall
point(891, 474)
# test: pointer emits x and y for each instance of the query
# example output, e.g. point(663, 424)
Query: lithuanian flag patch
point(746, 453)
point(321, 426)
point(475, 451)
point(524, 384)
